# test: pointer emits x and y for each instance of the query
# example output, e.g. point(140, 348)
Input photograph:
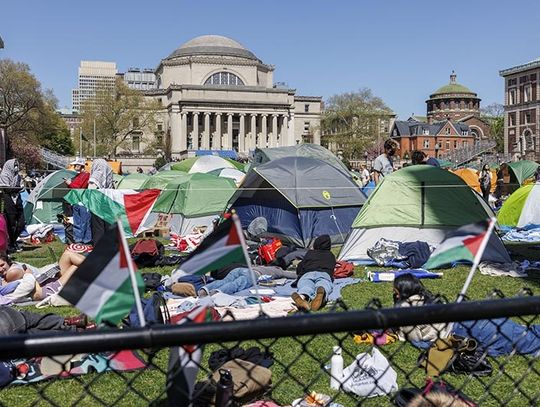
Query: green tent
point(420, 202)
point(161, 179)
point(205, 164)
point(523, 169)
point(193, 201)
point(132, 181)
point(45, 200)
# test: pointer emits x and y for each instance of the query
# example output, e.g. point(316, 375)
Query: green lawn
point(299, 362)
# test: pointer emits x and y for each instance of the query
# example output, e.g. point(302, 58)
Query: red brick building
point(434, 139)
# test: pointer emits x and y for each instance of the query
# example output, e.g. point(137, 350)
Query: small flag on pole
point(219, 249)
point(184, 363)
point(102, 286)
point(461, 245)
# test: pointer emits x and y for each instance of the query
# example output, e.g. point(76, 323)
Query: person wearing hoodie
point(315, 276)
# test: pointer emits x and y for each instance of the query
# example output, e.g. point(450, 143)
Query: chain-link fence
point(418, 355)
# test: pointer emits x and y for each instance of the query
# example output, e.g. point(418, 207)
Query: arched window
point(224, 78)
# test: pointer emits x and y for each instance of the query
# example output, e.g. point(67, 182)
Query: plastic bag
point(370, 375)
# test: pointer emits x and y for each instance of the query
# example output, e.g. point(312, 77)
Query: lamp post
point(437, 148)
point(365, 157)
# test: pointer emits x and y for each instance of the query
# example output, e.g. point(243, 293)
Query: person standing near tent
point(82, 229)
point(365, 177)
point(484, 178)
point(419, 157)
point(13, 207)
point(383, 164)
point(101, 177)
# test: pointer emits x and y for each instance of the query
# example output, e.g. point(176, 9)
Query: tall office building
point(93, 75)
point(141, 79)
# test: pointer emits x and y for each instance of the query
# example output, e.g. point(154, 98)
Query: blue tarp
point(221, 153)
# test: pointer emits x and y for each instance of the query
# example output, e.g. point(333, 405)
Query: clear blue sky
point(402, 50)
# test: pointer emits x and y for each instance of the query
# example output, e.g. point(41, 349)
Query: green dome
point(453, 87)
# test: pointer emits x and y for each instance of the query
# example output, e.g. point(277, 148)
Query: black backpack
point(151, 281)
point(146, 252)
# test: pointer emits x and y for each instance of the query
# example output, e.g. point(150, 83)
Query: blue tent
point(301, 198)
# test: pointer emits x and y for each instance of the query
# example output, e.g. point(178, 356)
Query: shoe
point(318, 301)
point(80, 321)
point(301, 303)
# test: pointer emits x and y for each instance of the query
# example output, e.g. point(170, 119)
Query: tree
point(352, 122)
point(29, 116)
point(119, 113)
point(493, 114)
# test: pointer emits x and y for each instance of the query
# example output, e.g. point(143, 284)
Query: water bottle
point(224, 393)
point(336, 369)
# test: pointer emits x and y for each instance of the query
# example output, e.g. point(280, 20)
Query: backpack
point(151, 281)
point(343, 269)
point(154, 309)
point(146, 252)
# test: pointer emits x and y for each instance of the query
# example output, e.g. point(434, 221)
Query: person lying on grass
point(38, 283)
point(13, 321)
point(315, 276)
point(498, 336)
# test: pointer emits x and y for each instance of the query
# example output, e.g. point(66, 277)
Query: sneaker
point(301, 302)
point(318, 301)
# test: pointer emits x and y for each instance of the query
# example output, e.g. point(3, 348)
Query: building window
point(447, 144)
point(160, 127)
point(448, 130)
point(511, 119)
point(306, 127)
point(135, 122)
point(426, 144)
point(306, 108)
point(159, 139)
point(512, 97)
point(527, 93)
point(135, 143)
point(465, 143)
point(455, 144)
point(523, 79)
point(512, 82)
point(426, 132)
point(527, 117)
point(464, 133)
point(224, 78)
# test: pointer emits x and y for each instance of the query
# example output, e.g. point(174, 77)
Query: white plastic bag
point(370, 375)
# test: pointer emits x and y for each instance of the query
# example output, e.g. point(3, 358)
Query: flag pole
point(240, 232)
point(477, 259)
point(132, 276)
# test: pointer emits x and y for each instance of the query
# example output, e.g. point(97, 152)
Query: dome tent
point(471, 177)
point(192, 201)
point(522, 208)
point(301, 198)
point(132, 181)
point(263, 155)
point(161, 179)
point(204, 164)
point(419, 202)
point(523, 170)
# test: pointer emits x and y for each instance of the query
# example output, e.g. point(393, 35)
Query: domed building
point(218, 95)
point(458, 103)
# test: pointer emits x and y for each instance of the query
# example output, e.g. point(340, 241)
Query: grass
point(299, 362)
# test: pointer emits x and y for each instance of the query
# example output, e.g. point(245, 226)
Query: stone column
point(242, 134)
point(216, 139)
point(284, 131)
point(206, 132)
point(274, 134)
point(176, 131)
point(291, 135)
point(263, 140)
point(253, 137)
point(229, 139)
point(195, 132)
point(183, 125)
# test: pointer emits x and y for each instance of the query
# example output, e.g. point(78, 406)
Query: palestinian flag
point(219, 249)
point(184, 363)
point(101, 287)
point(128, 205)
point(460, 245)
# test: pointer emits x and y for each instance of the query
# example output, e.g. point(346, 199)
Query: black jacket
point(320, 258)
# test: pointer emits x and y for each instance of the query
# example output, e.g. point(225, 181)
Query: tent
point(236, 175)
point(522, 208)
point(301, 198)
point(263, 155)
point(523, 170)
point(45, 200)
point(192, 201)
point(161, 179)
point(132, 181)
point(420, 202)
point(204, 164)
point(470, 176)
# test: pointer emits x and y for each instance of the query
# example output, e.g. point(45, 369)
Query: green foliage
point(160, 162)
point(353, 122)
point(493, 114)
point(118, 114)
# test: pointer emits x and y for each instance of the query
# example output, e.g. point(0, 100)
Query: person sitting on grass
point(498, 336)
point(315, 276)
point(35, 283)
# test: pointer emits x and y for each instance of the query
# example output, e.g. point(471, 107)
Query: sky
point(401, 50)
